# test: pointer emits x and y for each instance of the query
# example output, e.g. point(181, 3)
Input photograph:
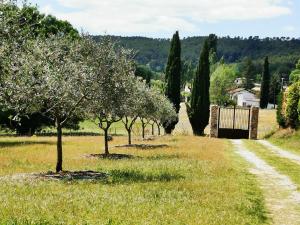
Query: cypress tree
point(248, 74)
point(265, 86)
point(173, 78)
point(198, 110)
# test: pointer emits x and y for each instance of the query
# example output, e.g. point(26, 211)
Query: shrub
point(280, 116)
point(292, 107)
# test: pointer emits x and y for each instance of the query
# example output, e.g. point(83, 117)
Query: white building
point(244, 98)
point(239, 81)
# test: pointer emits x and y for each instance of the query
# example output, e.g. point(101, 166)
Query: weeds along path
point(279, 151)
point(281, 195)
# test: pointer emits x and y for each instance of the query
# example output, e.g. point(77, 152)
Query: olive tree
point(133, 107)
point(49, 75)
point(113, 83)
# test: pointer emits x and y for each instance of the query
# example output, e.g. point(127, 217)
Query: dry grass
point(193, 181)
point(267, 122)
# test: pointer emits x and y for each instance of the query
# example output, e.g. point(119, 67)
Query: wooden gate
point(234, 123)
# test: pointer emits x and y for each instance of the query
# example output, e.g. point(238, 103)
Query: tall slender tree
point(248, 69)
point(265, 86)
point(198, 110)
point(173, 79)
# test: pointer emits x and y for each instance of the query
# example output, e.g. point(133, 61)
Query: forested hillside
point(283, 52)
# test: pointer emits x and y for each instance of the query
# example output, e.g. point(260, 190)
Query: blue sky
point(160, 18)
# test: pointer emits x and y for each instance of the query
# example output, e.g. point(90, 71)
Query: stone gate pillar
point(214, 117)
point(253, 123)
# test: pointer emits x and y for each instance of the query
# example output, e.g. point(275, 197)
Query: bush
point(280, 115)
point(292, 108)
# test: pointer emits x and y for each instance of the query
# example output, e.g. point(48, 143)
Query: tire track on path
point(280, 152)
point(281, 195)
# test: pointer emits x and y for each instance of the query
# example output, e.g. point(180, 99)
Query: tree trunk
point(106, 141)
point(143, 130)
point(59, 146)
point(158, 129)
point(152, 129)
point(129, 136)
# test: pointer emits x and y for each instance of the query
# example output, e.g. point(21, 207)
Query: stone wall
point(254, 123)
point(214, 117)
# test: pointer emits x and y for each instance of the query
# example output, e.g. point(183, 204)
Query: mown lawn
point(193, 181)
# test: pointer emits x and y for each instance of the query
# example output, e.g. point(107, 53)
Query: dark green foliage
point(198, 110)
point(144, 72)
point(265, 85)
point(275, 85)
point(187, 73)
point(248, 73)
point(281, 120)
point(30, 23)
point(173, 78)
point(283, 52)
point(30, 124)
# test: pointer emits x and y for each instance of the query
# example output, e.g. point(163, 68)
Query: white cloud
point(141, 16)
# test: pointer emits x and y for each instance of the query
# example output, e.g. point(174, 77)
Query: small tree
point(49, 75)
point(265, 86)
point(133, 107)
point(113, 74)
point(148, 108)
point(295, 74)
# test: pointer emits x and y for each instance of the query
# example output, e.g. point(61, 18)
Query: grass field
point(193, 181)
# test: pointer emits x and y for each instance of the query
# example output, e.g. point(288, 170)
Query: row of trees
point(62, 77)
point(283, 52)
point(198, 107)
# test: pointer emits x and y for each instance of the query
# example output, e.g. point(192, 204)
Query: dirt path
point(183, 127)
point(282, 153)
point(281, 195)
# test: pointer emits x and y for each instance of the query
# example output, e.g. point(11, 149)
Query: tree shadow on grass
point(134, 176)
point(112, 156)
point(9, 144)
point(143, 146)
point(163, 157)
point(112, 177)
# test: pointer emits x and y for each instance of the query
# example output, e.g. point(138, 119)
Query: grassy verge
point(287, 139)
point(193, 181)
point(283, 165)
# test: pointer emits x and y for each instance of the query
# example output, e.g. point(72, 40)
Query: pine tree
point(198, 110)
point(265, 86)
point(173, 78)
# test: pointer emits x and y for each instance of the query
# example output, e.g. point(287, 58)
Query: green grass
point(287, 139)
point(117, 128)
point(193, 181)
point(283, 165)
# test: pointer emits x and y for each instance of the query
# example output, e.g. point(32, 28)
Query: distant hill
point(283, 52)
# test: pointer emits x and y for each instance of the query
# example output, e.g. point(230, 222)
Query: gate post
point(214, 119)
point(253, 123)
